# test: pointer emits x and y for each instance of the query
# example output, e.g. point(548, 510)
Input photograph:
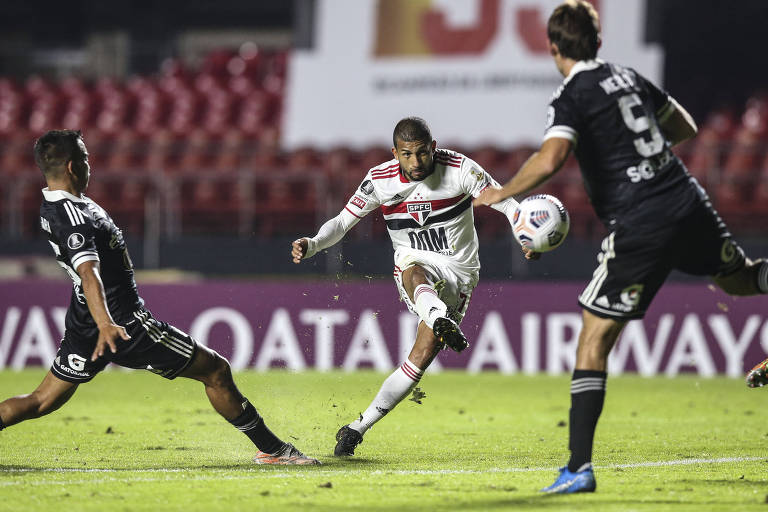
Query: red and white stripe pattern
point(353, 213)
point(448, 159)
point(387, 170)
point(423, 288)
point(410, 371)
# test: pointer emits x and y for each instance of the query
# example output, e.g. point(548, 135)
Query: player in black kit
point(621, 127)
point(106, 321)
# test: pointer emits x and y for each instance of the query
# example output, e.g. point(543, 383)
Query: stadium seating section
point(197, 151)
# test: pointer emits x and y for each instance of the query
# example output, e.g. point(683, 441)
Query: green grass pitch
point(133, 441)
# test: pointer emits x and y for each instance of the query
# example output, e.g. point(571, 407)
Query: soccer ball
point(540, 223)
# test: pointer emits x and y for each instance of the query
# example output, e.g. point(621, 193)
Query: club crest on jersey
point(420, 211)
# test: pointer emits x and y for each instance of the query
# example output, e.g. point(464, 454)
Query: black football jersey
point(80, 230)
point(612, 114)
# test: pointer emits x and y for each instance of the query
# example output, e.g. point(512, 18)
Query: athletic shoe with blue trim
point(569, 482)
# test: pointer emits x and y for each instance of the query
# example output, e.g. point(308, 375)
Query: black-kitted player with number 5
point(621, 127)
point(107, 321)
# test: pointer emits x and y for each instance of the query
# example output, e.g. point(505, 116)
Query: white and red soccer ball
point(540, 223)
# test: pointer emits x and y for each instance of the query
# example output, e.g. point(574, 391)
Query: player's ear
point(394, 152)
point(553, 49)
point(434, 145)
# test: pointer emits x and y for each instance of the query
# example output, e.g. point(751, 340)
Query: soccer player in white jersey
point(425, 195)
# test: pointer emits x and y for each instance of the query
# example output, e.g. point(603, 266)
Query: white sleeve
point(362, 202)
point(476, 179)
point(507, 207)
point(331, 232)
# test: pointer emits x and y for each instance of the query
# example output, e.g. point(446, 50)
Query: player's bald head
point(56, 148)
point(411, 129)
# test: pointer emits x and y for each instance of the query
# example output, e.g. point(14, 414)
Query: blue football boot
point(569, 482)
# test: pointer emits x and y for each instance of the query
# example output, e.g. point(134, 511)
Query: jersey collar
point(583, 65)
point(58, 195)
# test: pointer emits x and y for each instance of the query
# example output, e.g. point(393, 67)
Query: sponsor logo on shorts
point(630, 296)
point(367, 187)
point(75, 241)
point(75, 365)
point(358, 201)
point(76, 362)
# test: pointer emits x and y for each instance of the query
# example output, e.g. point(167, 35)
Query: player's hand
point(108, 333)
point(299, 249)
point(530, 254)
point(488, 197)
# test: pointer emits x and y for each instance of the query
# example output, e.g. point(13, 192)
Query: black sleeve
point(76, 234)
point(563, 118)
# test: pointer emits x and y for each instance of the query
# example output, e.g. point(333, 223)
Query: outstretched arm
point(535, 171)
point(329, 234)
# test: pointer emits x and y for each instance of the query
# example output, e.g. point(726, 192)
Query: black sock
point(252, 425)
point(762, 277)
point(587, 396)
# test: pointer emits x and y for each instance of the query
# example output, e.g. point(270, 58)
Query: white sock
point(393, 390)
point(428, 304)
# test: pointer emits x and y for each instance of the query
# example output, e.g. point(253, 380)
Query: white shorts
point(453, 286)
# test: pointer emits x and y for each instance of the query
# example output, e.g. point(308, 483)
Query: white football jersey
point(430, 219)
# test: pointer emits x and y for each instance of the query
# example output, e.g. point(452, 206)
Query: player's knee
point(221, 373)
point(42, 404)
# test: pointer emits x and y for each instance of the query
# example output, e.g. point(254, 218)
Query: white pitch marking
point(307, 472)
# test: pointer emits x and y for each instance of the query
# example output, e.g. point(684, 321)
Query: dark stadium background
point(714, 64)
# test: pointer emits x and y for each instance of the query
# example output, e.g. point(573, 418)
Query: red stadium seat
point(210, 204)
point(230, 153)
point(161, 153)
point(127, 152)
point(16, 154)
point(195, 152)
point(306, 159)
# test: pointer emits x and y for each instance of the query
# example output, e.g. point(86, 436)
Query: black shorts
point(155, 346)
point(634, 263)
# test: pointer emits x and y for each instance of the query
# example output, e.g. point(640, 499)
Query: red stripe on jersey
point(437, 204)
point(446, 162)
point(385, 176)
point(441, 154)
point(385, 169)
point(353, 213)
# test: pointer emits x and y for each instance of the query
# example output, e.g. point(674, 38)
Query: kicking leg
point(752, 279)
point(51, 394)
point(401, 382)
point(214, 372)
point(432, 311)
point(597, 337)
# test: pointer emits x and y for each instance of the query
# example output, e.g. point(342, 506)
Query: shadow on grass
point(326, 464)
